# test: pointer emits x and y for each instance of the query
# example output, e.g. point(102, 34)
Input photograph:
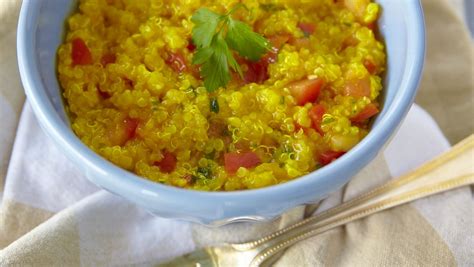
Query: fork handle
point(452, 170)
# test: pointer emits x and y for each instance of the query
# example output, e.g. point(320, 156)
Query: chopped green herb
point(191, 90)
point(282, 100)
point(211, 155)
point(270, 7)
point(214, 105)
point(327, 118)
point(287, 149)
point(154, 104)
point(214, 36)
point(226, 132)
point(204, 172)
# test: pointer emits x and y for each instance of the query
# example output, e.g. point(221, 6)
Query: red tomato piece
point(233, 161)
point(301, 43)
point(305, 91)
point(277, 41)
point(81, 55)
point(168, 163)
point(329, 156)
point(370, 66)
point(316, 115)
point(307, 28)
point(176, 62)
point(103, 94)
point(358, 88)
point(107, 59)
point(191, 47)
point(369, 111)
point(130, 126)
point(372, 26)
point(257, 72)
point(348, 42)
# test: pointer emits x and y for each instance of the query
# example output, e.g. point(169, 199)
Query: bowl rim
point(68, 141)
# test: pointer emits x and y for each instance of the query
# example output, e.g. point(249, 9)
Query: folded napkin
point(51, 215)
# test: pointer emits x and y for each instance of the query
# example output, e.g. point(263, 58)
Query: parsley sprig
point(215, 35)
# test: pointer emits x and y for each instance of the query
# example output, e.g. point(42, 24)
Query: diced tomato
point(329, 156)
point(191, 47)
point(107, 59)
point(301, 43)
point(103, 94)
point(305, 91)
point(125, 130)
point(348, 42)
point(370, 66)
point(358, 88)
point(176, 61)
point(81, 55)
point(277, 41)
point(307, 28)
point(168, 163)
point(130, 127)
point(233, 161)
point(316, 115)
point(369, 111)
point(372, 26)
point(257, 72)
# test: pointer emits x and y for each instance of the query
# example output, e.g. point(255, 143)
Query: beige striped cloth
point(50, 215)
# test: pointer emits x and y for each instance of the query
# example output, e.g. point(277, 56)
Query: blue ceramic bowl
point(40, 31)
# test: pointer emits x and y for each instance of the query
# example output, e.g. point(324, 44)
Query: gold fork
point(451, 170)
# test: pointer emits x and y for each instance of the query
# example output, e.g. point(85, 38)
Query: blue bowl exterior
point(39, 34)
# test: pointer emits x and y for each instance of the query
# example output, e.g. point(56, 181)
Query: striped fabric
point(50, 215)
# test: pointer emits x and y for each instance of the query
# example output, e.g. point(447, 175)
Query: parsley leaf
point(206, 23)
point(215, 69)
point(215, 35)
point(242, 39)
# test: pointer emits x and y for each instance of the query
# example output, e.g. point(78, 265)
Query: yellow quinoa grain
point(131, 105)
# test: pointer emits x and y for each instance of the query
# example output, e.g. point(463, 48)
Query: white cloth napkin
point(93, 227)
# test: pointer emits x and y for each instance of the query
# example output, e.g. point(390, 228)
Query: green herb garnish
point(204, 172)
point(214, 36)
point(214, 105)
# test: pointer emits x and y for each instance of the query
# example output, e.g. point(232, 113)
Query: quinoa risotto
point(135, 97)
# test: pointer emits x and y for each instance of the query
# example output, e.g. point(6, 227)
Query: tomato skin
point(168, 163)
point(316, 115)
point(370, 66)
point(369, 111)
point(80, 53)
point(306, 91)
point(191, 47)
point(257, 72)
point(307, 28)
point(130, 126)
point(107, 59)
point(233, 161)
point(277, 41)
point(329, 156)
point(103, 94)
point(358, 88)
point(176, 62)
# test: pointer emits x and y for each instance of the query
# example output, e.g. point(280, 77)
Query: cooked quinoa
point(135, 98)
